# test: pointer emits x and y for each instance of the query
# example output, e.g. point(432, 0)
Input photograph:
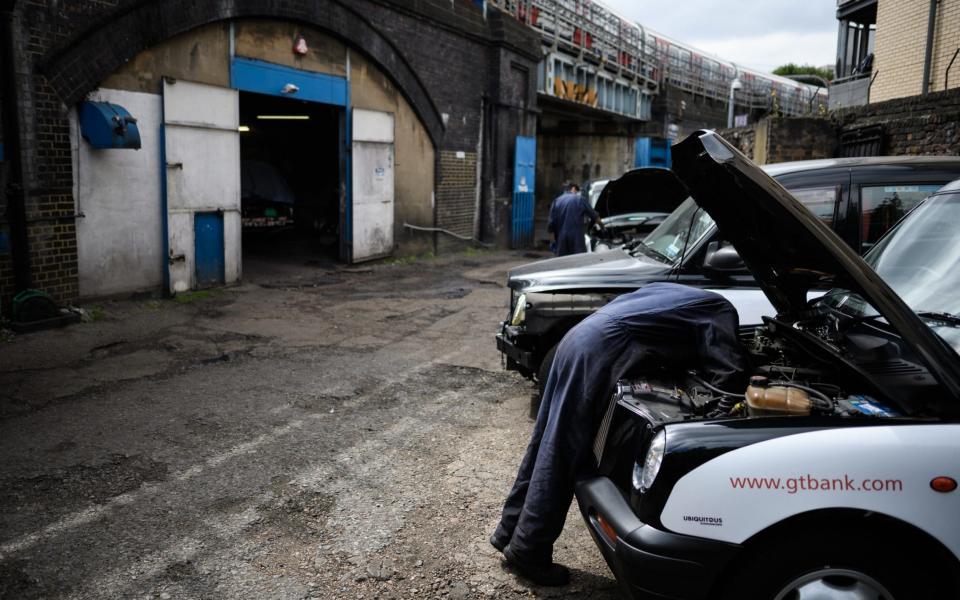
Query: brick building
point(393, 112)
point(891, 49)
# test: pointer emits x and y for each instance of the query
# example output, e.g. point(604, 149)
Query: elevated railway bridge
point(610, 89)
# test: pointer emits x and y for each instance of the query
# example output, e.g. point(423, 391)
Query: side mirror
point(722, 259)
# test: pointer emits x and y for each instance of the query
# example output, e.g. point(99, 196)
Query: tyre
point(542, 374)
point(830, 562)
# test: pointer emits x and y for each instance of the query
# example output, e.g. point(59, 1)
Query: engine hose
point(827, 402)
point(714, 388)
point(725, 406)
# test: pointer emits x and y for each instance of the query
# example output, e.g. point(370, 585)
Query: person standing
point(568, 213)
point(661, 324)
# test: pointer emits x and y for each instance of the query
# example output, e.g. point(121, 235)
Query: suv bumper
point(507, 345)
point(647, 562)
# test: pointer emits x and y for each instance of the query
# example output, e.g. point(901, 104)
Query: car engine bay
point(820, 368)
point(825, 365)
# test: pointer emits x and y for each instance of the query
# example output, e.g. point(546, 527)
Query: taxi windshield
point(920, 259)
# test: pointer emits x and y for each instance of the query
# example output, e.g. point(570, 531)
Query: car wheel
point(542, 374)
point(845, 565)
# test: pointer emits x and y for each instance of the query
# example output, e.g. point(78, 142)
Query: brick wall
point(51, 207)
point(947, 36)
point(456, 197)
point(901, 46)
point(443, 56)
point(6, 267)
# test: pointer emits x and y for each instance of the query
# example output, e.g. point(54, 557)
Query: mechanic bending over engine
point(664, 324)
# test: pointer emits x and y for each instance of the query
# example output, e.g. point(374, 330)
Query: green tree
point(795, 69)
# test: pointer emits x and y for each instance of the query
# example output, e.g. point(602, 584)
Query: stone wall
point(783, 139)
point(910, 126)
point(744, 138)
point(915, 125)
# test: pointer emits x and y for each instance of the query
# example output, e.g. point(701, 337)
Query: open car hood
point(648, 190)
point(788, 249)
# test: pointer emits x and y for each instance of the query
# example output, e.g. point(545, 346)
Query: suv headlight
point(645, 474)
point(519, 311)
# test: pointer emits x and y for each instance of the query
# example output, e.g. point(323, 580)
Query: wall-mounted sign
point(300, 46)
point(522, 186)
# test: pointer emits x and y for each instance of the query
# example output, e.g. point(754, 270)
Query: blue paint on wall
point(262, 77)
point(4, 242)
point(208, 248)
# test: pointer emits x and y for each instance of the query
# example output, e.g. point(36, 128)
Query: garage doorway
point(291, 175)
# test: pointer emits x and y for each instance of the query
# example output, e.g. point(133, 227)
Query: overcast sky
point(762, 34)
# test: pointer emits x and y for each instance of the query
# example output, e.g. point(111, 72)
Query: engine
point(808, 368)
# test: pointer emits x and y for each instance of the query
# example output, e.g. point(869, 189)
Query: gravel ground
point(318, 432)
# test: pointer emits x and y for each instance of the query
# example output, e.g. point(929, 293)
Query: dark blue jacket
point(661, 324)
point(568, 214)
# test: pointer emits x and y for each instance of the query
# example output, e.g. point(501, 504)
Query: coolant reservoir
point(765, 399)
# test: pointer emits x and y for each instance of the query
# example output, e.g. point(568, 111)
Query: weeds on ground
point(188, 297)
point(408, 260)
point(474, 251)
point(95, 313)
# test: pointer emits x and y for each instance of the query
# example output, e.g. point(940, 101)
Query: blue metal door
point(524, 173)
point(208, 248)
point(652, 152)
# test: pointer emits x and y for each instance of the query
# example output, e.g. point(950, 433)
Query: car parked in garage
point(859, 198)
point(833, 474)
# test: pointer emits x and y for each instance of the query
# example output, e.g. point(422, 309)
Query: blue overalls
point(568, 213)
point(672, 324)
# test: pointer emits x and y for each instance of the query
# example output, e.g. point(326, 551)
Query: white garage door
point(372, 184)
point(203, 177)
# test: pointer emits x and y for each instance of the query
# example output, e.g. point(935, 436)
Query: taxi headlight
point(519, 311)
point(645, 474)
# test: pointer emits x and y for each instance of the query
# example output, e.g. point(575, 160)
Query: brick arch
point(80, 66)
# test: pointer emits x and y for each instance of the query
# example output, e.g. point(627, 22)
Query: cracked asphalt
point(319, 432)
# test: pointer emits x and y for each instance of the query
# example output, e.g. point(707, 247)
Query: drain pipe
point(928, 55)
point(16, 190)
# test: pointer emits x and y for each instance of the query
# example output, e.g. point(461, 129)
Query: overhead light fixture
point(284, 117)
point(243, 128)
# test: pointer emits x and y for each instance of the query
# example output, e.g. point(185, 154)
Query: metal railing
point(595, 57)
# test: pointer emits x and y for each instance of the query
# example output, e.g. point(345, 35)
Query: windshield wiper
point(943, 317)
point(651, 251)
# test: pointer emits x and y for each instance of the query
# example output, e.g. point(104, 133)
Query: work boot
point(498, 543)
point(548, 573)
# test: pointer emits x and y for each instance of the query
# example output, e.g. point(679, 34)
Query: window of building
point(857, 34)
